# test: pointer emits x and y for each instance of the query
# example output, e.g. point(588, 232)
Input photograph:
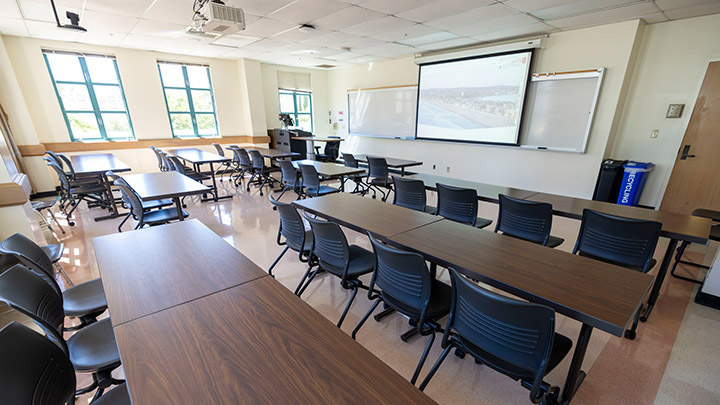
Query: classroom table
point(156, 186)
point(392, 163)
point(330, 170)
point(96, 165)
point(272, 153)
point(198, 157)
point(485, 192)
point(598, 294)
point(676, 227)
point(197, 322)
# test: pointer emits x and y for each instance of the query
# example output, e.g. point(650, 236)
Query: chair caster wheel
point(274, 208)
point(374, 197)
point(460, 353)
point(184, 205)
point(478, 361)
point(630, 334)
point(404, 338)
point(71, 223)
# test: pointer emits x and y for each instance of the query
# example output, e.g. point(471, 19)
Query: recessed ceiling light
point(306, 28)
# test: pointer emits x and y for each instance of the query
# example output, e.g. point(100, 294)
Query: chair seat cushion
point(322, 190)
point(653, 262)
point(42, 204)
point(430, 209)
point(54, 252)
point(554, 241)
point(83, 299)
point(712, 214)
point(439, 305)
point(165, 202)
point(376, 181)
point(163, 215)
point(88, 189)
point(94, 347)
point(482, 223)
point(116, 396)
point(362, 261)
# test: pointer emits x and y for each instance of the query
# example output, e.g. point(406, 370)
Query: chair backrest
point(409, 193)
point(330, 245)
point(28, 294)
point(513, 331)
point(68, 163)
point(64, 182)
point(402, 277)
point(292, 227)
point(289, 174)
point(377, 168)
point(349, 160)
point(310, 178)
point(159, 158)
point(176, 164)
point(522, 219)
point(243, 157)
point(32, 369)
point(56, 159)
point(32, 256)
point(258, 161)
point(332, 150)
point(166, 162)
point(624, 241)
point(219, 149)
point(457, 204)
point(131, 199)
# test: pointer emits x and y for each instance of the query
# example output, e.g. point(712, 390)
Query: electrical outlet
point(654, 133)
point(674, 110)
point(448, 169)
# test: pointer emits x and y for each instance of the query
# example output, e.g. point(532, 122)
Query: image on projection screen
point(474, 100)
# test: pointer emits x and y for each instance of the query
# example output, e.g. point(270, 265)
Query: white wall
point(671, 65)
point(608, 46)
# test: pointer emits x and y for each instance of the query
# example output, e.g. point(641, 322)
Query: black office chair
point(289, 178)
point(459, 205)
point(92, 349)
point(621, 241)
point(378, 177)
point(527, 220)
point(63, 161)
point(407, 287)
point(93, 193)
point(140, 214)
point(179, 167)
point(260, 171)
point(515, 338)
point(47, 204)
point(147, 205)
point(169, 166)
point(293, 230)
point(224, 166)
point(160, 162)
point(244, 164)
point(349, 161)
point(85, 301)
point(410, 193)
point(310, 183)
point(333, 254)
point(332, 151)
point(714, 235)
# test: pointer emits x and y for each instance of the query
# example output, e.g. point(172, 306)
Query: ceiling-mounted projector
point(214, 17)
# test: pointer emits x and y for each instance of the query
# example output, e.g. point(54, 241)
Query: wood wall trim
point(11, 194)
point(64, 147)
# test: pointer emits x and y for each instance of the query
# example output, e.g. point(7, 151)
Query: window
point(299, 105)
point(189, 99)
point(91, 96)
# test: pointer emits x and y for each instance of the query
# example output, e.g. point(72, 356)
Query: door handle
point(686, 150)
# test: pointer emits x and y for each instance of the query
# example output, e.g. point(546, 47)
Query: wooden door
point(695, 179)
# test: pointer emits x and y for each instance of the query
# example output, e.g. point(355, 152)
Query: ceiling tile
point(579, 7)
point(148, 27)
point(378, 26)
point(532, 5)
point(96, 21)
point(9, 9)
point(427, 39)
point(13, 26)
point(310, 51)
point(241, 53)
point(131, 8)
point(305, 11)
point(344, 55)
point(412, 31)
point(332, 39)
point(261, 7)
point(297, 36)
point(471, 17)
point(42, 11)
point(655, 18)
point(266, 27)
point(496, 24)
point(360, 43)
point(346, 17)
point(394, 6)
point(452, 43)
point(675, 4)
point(604, 17)
point(696, 11)
point(537, 28)
point(388, 47)
point(143, 41)
point(268, 45)
point(170, 11)
point(47, 30)
point(237, 41)
point(442, 8)
point(354, 2)
point(104, 38)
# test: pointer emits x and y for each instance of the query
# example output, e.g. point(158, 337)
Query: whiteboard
point(559, 109)
point(386, 112)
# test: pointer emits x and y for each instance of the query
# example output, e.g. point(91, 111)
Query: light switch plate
point(675, 111)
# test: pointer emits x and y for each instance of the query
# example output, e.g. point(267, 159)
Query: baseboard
point(44, 194)
point(707, 300)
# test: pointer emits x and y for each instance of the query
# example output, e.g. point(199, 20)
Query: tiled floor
point(673, 360)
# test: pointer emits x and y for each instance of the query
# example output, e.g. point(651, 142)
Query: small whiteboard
point(559, 110)
point(383, 112)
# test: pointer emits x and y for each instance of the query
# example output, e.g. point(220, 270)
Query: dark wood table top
point(253, 343)
point(676, 226)
point(486, 192)
point(97, 163)
point(391, 162)
point(602, 295)
point(152, 269)
point(364, 214)
point(272, 153)
point(194, 155)
point(316, 139)
point(329, 169)
point(155, 186)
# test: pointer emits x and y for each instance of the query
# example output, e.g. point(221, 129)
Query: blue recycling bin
point(634, 178)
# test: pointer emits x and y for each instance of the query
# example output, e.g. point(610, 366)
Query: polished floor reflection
point(673, 359)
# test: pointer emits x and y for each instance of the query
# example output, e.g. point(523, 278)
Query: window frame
point(191, 107)
point(90, 86)
point(294, 114)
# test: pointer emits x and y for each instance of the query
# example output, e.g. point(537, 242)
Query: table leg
point(214, 187)
point(178, 206)
point(111, 200)
point(575, 375)
point(402, 171)
point(662, 271)
point(342, 184)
